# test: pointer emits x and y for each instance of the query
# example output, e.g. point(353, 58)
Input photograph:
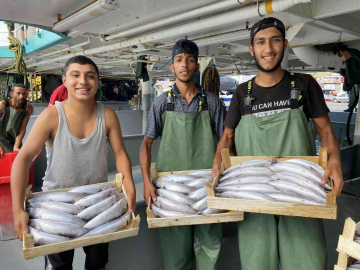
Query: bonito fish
point(175, 196)
point(298, 169)
point(284, 197)
point(42, 238)
point(198, 194)
point(177, 187)
point(66, 197)
point(166, 204)
point(55, 216)
point(112, 226)
point(309, 164)
point(58, 206)
point(200, 205)
point(97, 197)
point(249, 163)
point(58, 228)
point(91, 189)
point(264, 171)
point(246, 179)
point(255, 187)
point(303, 181)
point(167, 213)
point(95, 209)
point(291, 187)
point(114, 212)
point(247, 195)
point(198, 183)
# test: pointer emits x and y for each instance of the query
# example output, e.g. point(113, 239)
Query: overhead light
point(86, 14)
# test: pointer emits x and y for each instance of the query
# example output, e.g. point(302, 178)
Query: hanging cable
point(16, 47)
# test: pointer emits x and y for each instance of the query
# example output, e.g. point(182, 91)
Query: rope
point(16, 47)
point(210, 80)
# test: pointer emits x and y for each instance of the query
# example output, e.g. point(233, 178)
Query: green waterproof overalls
point(267, 241)
point(187, 143)
point(10, 122)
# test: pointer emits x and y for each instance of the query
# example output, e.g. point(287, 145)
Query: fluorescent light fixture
point(86, 14)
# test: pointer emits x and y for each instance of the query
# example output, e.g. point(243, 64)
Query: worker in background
point(14, 117)
point(268, 116)
point(75, 131)
point(185, 145)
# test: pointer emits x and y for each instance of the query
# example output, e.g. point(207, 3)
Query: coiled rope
point(16, 47)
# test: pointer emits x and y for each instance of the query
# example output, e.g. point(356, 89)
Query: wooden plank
point(132, 229)
point(348, 233)
point(154, 222)
point(349, 247)
point(275, 208)
point(225, 155)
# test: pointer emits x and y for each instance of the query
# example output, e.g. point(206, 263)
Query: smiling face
point(81, 81)
point(268, 49)
point(184, 67)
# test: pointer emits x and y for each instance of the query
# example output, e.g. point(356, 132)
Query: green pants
point(180, 244)
point(294, 243)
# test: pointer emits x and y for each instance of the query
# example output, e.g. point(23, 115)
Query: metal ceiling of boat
point(309, 24)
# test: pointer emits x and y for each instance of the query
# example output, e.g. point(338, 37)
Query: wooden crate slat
point(30, 251)
point(349, 247)
point(328, 211)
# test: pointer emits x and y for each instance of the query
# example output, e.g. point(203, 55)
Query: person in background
point(14, 117)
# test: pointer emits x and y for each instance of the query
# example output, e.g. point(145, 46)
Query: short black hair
point(81, 60)
point(20, 85)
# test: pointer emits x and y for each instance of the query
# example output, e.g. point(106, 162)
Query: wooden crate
point(154, 222)
point(328, 211)
point(347, 248)
point(30, 251)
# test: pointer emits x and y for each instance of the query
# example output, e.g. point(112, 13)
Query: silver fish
point(167, 213)
point(174, 206)
point(198, 194)
point(353, 267)
point(245, 179)
point(249, 163)
point(264, 171)
point(247, 195)
point(97, 197)
point(178, 178)
point(59, 206)
point(255, 187)
point(112, 226)
point(309, 164)
point(298, 169)
point(175, 196)
point(95, 209)
point(177, 187)
point(58, 228)
point(91, 189)
point(114, 212)
point(291, 187)
point(42, 238)
point(208, 211)
point(66, 197)
point(200, 205)
point(55, 216)
point(303, 181)
point(198, 183)
point(284, 197)
point(202, 173)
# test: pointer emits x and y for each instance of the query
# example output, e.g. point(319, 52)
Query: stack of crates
point(6, 216)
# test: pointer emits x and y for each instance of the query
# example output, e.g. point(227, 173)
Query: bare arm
point(22, 130)
point(328, 140)
point(145, 163)
point(227, 141)
point(123, 164)
point(41, 131)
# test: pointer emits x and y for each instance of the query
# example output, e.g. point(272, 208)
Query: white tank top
point(75, 162)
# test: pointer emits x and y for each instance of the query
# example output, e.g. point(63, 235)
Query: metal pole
point(145, 102)
point(31, 87)
point(357, 140)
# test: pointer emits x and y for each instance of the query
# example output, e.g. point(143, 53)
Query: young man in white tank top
point(82, 126)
